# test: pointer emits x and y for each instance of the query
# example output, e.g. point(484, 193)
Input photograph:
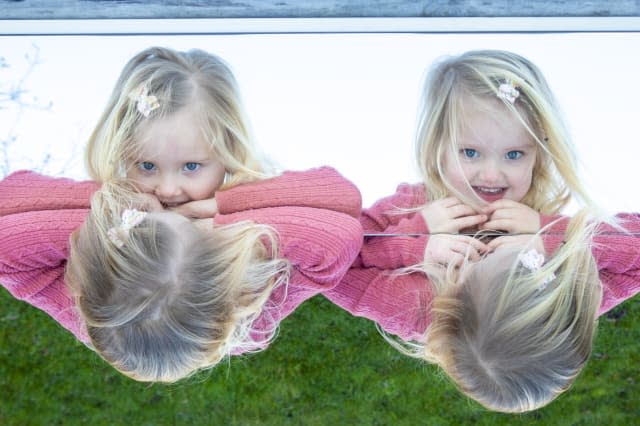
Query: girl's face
point(176, 163)
point(495, 156)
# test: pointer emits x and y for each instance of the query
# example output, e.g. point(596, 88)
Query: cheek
point(143, 183)
point(206, 186)
point(521, 181)
point(458, 175)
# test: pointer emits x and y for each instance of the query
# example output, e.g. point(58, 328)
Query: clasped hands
point(448, 217)
point(200, 209)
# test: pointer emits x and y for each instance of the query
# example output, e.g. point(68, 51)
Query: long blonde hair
point(510, 338)
point(501, 335)
point(159, 309)
point(194, 79)
point(457, 83)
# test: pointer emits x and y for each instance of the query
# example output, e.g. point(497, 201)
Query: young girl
point(494, 156)
point(147, 282)
point(174, 124)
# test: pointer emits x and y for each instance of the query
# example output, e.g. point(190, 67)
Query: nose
point(167, 188)
point(490, 172)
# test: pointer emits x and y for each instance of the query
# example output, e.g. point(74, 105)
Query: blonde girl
point(157, 297)
point(495, 156)
point(174, 118)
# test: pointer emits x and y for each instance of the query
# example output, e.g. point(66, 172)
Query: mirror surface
point(347, 100)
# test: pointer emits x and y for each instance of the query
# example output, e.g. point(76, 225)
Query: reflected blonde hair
point(471, 80)
point(506, 339)
point(162, 307)
point(193, 79)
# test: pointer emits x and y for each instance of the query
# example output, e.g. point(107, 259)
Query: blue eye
point(146, 166)
point(469, 152)
point(191, 167)
point(514, 155)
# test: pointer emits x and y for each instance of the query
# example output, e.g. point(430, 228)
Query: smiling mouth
point(489, 194)
point(170, 205)
point(489, 191)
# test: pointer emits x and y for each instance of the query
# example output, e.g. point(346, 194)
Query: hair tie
point(130, 218)
point(145, 103)
point(508, 91)
point(533, 260)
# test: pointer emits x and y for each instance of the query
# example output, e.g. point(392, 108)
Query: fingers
point(448, 202)
point(513, 224)
point(469, 221)
point(453, 249)
point(506, 225)
point(462, 210)
point(517, 241)
point(148, 202)
point(201, 209)
point(503, 203)
point(467, 248)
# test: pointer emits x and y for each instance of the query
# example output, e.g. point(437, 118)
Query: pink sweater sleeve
point(618, 258)
point(34, 247)
point(554, 228)
point(617, 255)
point(386, 216)
point(321, 188)
point(399, 303)
point(24, 191)
point(320, 245)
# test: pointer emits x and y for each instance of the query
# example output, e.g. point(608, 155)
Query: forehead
point(178, 136)
point(491, 123)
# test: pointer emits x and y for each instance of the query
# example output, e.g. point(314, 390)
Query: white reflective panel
point(347, 100)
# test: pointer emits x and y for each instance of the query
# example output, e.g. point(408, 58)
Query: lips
point(490, 194)
point(171, 205)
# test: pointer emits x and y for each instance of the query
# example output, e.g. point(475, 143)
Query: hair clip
point(130, 218)
point(508, 91)
point(533, 260)
point(145, 103)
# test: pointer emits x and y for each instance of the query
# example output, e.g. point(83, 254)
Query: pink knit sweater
point(401, 303)
point(313, 213)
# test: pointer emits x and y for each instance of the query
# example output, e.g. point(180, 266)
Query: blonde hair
point(504, 335)
point(506, 339)
point(457, 83)
point(159, 309)
point(193, 79)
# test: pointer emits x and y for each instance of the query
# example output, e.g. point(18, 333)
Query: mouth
point(171, 205)
point(489, 193)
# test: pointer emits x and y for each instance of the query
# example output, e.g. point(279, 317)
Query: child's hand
point(450, 215)
point(517, 241)
point(446, 249)
point(147, 202)
point(201, 209)
point(512, 217)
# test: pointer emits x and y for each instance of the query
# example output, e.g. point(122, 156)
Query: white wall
point(348, 100)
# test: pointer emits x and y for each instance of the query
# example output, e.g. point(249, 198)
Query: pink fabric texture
point(39, 213)
point(400, 303)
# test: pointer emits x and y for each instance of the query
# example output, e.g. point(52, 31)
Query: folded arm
point(34, 247)
point(25, 191)
point(322, 188)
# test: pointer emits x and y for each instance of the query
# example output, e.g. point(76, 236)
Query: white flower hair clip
point(130, 218)
point(533, 260)
point(145, 103)
point(508, 91)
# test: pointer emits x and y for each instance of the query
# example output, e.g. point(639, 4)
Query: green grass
point(325, 368)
